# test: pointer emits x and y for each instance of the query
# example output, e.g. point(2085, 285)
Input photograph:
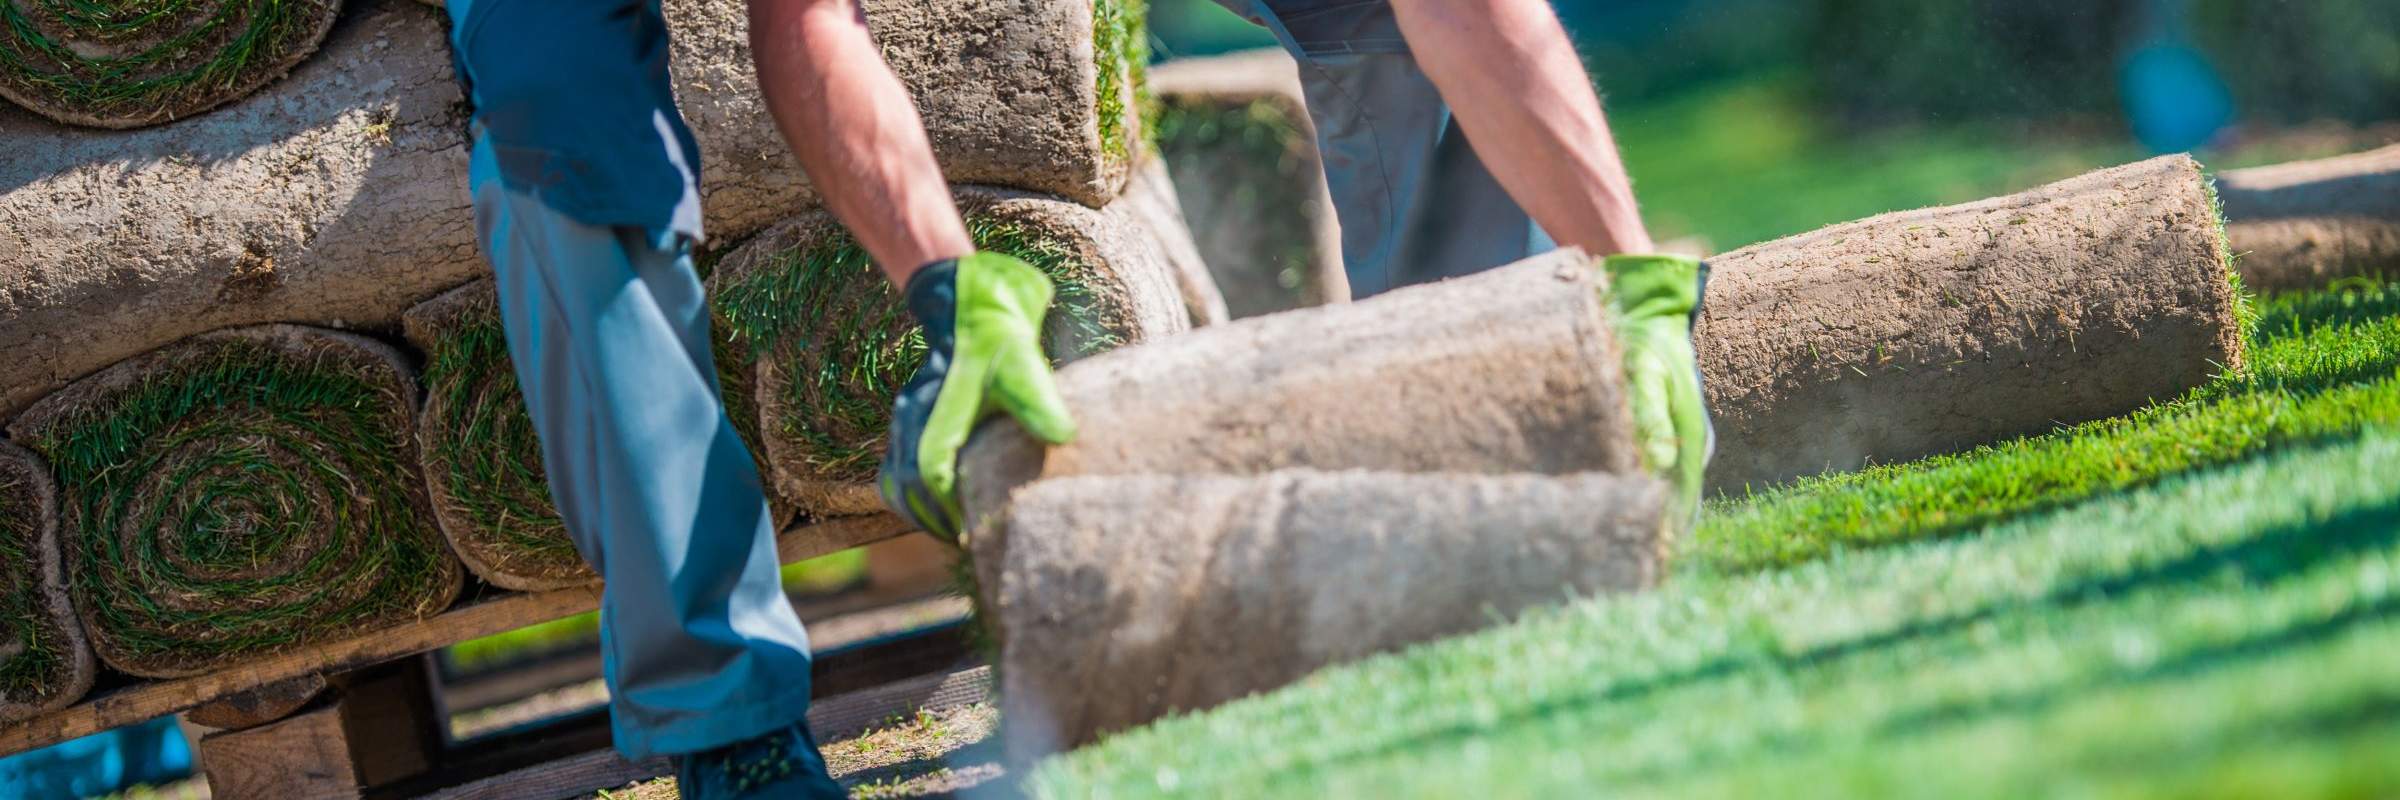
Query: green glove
point(982, 317)
point(1656, 299)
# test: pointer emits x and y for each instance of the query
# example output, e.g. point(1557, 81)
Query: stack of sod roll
point(1049, 154)
point(257, 369)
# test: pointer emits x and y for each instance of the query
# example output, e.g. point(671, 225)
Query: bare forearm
point(855, 130)
point(1512, 78)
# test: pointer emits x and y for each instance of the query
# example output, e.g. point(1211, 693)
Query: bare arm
point(1512, 78)
point(856, 131)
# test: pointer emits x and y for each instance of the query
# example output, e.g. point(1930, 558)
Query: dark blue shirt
point(574, 98)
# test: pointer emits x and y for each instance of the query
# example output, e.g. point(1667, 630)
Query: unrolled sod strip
point(1125, 599)
point(1235, 132)
point(482, 460)
point(338, 197)
point(2305, 224)
point(240, 494)
point(1929, 331)
point(127, 65)
point(832, 342)
point(45, 663)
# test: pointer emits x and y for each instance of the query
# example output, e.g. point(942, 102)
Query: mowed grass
point(1753, 158)
point(2201, 600)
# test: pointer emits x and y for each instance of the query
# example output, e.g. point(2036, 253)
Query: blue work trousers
point(1415, 203)
point(609, 332)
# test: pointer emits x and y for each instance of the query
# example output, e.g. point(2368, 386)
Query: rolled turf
point(338, 197)
point(1126, 599)
point(1513, 370)
point(45, 662)
point(1235, 132)
point(128, 64)
point(240, 494)
point(832, 343)
point(1930, 331)
point(482, 460)
point(2306, 224)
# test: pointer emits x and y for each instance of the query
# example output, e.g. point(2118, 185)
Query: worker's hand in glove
point(982, 318)
point(1656, 300)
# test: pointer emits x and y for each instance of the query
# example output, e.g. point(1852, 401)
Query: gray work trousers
point(1414, 202)
point(609, 332)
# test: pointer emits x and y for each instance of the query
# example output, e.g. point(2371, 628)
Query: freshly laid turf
point(2229, 632)
point(2203, 598)
point(2322, 365)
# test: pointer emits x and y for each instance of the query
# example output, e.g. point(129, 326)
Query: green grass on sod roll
point(163, 54)
point(1121, 52)
point(2201, 598)
point(33, 670)
point(489, 456)
point(239, 498)
point(851, 343)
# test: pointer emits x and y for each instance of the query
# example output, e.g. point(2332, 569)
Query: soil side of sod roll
point(482, 459)
point(2306, 224)
point(339, 197)
point(832, 342)
point(1929, 331)
point(128, 65)
point(1235, 132)
point(240, 494)
point(1128, 598)
point(1516, 370)
point(45, 663)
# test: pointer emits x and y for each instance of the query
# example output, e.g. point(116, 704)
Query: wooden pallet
point(484, 613)
point(831, 719)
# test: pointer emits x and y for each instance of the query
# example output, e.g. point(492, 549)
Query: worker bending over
point(586, 203)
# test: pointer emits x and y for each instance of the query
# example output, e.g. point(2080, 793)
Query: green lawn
point(1750, 159)
point(2201, 600)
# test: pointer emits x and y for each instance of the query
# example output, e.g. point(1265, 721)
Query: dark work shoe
point(783, 764)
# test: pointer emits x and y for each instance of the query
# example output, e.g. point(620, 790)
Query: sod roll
point(1929, 331)
point(45, 663)
point(338, 197)
point(120, 64)
point(2305, 224)
point(1512, 370)
point(480, 457)
point(1150, 203)
point(1235, 132)
point(239, 494)
point(482, 460)
point(831, 342)
point(1125, 599)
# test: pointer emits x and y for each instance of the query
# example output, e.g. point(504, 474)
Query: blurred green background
point(1745, 120)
